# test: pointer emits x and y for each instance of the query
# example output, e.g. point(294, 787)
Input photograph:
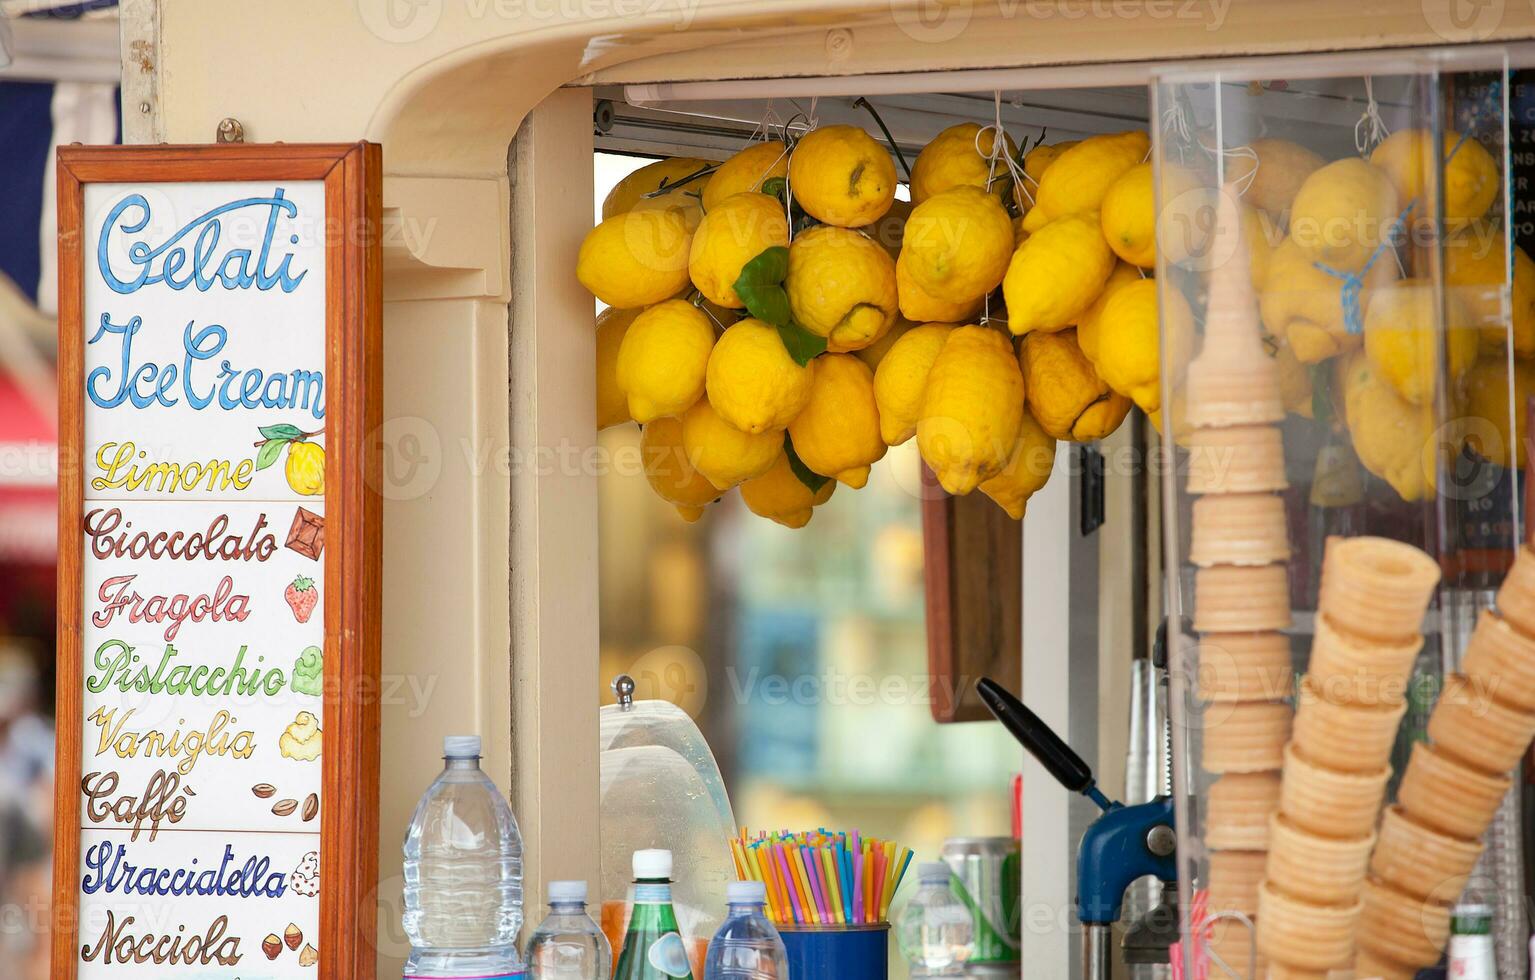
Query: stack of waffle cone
point(1240, 547)
point(1430, 840)
point(1316, 886)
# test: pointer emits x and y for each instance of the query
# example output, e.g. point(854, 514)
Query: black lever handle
point(1046, 746)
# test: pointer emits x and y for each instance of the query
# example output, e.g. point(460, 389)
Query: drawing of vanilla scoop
point(301, 740)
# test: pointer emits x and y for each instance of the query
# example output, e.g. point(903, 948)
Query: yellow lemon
point(1344, 213)
point(837, 433)
point(1087, 323)
point(958, 244)
point(1027, 471)
point(1295, 389)
point(629, 194)
point(921, 306)
point(901, 379)
point(1475, 271)
point(972, 407)
point(1393, 439)
point(1038, 159)
point(841, 286)
point(1487, 409)
point(1281, 167)
point(1064, 393)
point(305, 468)
point(663, 360)
point(1056, 274)
point(1304, 305)
point(752, 381)
point(735, 231)
point(1403, 339)
point(1470, 182)
point(875, 352)
point(1078, 178)
point(747, 171)
point(780, 495)
point(841, 176)
point(1129, 216)
point(668, 471)
point(1129, 357)
point(724, 454)
point(636, 258)
point(612, 403)
point(960, 156)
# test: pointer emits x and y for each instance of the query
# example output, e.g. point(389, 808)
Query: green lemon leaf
point(775, 187)
point(760, 286)
point(282, 431)
point(270, 450)
point(802, 345)
point(813, 481)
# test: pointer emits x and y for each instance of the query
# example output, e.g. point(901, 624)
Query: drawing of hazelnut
point(311, 807)
point(271, 946)
point(309, 957)
point(264, 791)
point(293, 936)
point(284, 808)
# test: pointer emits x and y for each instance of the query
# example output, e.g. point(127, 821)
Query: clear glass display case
point(1345, 306)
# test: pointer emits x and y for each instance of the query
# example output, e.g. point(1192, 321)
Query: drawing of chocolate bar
point(307, 535)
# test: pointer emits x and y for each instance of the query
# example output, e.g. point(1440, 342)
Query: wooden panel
point(973, 563)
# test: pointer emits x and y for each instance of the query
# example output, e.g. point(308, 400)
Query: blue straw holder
point(838, 952)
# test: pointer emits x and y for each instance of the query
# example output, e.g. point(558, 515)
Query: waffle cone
point(1477, 729)
point(1245, 667)
point(1245, 737)
point(1368, 966)
point(1235, 944)
point(1345, 737)
point(1347, 669)
point(1443, 793)
point(1237, 812)
point(1376, 587)
point(1239, 459)
point(1328, 802)
point(1325, 870)
point(1397, 927)
point(1239, 529)
point(1226, 393)
point(1500, 659)
point(1420, 861)
point(1303, 934)
point(1241, 599)
point(1234, 878)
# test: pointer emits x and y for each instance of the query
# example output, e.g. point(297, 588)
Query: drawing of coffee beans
point(311, 807)
point(264, 791)
point(285, 808)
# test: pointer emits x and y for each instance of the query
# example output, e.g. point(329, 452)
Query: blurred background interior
point(58, 85)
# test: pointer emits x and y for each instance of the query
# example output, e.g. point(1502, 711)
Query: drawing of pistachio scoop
point(305, 468)
point(301, 740)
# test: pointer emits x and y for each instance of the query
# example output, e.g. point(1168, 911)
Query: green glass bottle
point(653, 945)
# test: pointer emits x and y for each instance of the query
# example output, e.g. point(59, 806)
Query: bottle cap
point(653, 863)
point(931, 871)
point(745, 893)
point(567, 891)
point(461, 747)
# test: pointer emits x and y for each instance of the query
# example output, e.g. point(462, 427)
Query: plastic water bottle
point(568, 945)
point(463, 874)
point(746, 947)
point(936, 930)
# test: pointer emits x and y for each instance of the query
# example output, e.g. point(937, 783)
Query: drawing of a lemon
point(305, 468)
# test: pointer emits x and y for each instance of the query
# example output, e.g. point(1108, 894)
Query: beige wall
point(486, 349)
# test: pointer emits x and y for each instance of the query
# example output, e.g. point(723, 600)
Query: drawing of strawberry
point(302, 597)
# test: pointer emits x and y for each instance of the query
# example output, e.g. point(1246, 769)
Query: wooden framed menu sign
point(219, 529)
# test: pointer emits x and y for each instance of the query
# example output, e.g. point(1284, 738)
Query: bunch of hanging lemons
point(777, 321)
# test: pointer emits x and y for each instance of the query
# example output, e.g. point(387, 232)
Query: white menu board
point(202, 625)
